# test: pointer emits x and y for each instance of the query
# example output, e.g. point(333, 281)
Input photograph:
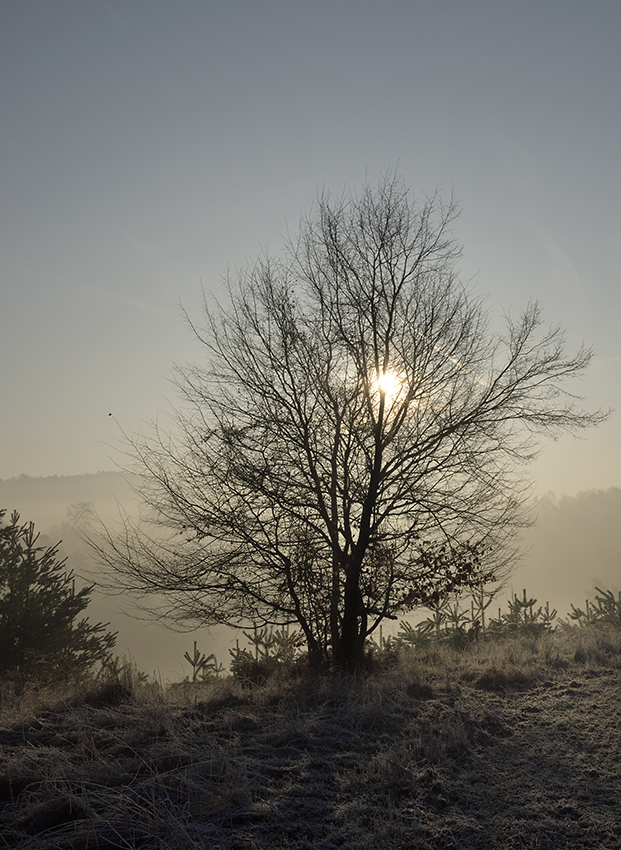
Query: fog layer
point(572, 548)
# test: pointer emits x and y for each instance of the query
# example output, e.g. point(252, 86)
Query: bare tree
point(352, 445)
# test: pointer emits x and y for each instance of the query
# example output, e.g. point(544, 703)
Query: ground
point(516, 745)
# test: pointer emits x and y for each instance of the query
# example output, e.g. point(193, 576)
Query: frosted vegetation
point(455, 735)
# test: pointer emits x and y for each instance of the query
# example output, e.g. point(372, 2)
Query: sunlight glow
point(390, 385)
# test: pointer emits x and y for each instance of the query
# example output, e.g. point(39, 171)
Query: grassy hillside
point(507, 743)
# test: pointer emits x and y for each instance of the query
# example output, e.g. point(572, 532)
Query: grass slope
point(512, 744)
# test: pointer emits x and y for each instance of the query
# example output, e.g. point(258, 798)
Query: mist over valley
point(572, 547)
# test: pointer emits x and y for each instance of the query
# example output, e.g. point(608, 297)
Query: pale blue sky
point(145, 146)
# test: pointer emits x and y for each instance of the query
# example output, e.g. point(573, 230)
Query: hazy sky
point(146, 146)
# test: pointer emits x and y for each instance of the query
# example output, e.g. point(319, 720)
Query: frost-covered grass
point(508, 743)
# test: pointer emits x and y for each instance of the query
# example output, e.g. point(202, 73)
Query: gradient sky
point(147, 146)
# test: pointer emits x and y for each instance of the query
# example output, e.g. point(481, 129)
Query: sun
point(389, 384)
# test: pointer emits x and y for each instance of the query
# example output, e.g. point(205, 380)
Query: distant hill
point(573, 547)
point(45, 501)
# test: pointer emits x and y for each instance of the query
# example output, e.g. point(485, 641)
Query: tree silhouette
point(351, 446)
point(38, 609)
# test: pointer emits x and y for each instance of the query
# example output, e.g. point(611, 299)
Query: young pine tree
point(38, 609)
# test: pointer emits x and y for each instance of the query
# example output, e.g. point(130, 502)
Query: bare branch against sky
point(350, 445)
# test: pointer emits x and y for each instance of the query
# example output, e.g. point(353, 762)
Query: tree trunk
point(349, 651)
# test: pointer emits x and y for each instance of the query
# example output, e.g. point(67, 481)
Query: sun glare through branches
point(390, 385)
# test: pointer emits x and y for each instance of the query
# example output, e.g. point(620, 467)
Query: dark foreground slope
point(508, 745)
